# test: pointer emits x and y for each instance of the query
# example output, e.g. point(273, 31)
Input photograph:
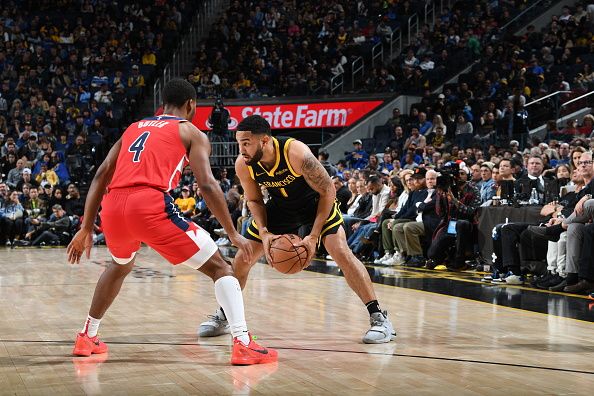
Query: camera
point(447, 176)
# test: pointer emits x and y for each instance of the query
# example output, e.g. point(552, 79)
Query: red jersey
point(152, 154)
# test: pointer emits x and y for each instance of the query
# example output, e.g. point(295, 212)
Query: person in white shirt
point(379, 199)
point(357, 188)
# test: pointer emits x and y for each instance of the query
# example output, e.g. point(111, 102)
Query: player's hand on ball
point(82, 242)
point(309, 243)
point(267, 239)
point(243, 244)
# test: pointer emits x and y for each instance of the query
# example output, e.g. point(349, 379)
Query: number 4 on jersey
point(138, 146)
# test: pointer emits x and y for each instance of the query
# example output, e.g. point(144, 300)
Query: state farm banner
point(294, 116)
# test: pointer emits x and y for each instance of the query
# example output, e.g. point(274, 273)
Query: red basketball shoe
point(252, 353)
point(85, 345)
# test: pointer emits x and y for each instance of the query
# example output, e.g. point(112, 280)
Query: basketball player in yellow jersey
point(301, 193)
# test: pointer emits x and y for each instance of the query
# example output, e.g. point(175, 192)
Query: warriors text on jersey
point(293, 203)
point(285, 187)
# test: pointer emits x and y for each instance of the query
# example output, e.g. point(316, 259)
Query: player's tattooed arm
point(307, 165)
point(315, 174)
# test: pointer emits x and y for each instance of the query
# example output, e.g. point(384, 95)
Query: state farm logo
point(314, 114)
point(300, 116)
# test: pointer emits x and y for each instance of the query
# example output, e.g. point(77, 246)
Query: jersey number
point(138, 146)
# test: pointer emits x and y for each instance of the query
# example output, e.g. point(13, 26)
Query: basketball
point(286, 257)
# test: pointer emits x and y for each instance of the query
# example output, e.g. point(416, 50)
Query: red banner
point(294, 116)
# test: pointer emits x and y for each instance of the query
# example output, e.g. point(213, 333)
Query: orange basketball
point(287, 258)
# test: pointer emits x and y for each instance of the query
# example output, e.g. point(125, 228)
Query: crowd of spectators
point(282, 48)
point(468, 147)
point(72, 76)
point(289, 48)
point(420, 208)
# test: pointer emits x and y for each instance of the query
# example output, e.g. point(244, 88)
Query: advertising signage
point(294, 115)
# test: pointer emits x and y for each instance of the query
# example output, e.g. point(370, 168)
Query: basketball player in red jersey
point(300, 193)
point(139, 171)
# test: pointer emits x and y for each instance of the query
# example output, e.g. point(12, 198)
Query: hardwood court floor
point(445, 344)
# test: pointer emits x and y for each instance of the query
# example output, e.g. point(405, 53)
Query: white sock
point(228, 294)
point(91, 326)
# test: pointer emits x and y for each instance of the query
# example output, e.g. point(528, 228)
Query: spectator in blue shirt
point(358, 157)
point(424, 124)
point(487, 184)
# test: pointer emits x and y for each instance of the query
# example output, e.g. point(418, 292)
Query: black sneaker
point(553, 280)
point(416, 261)
point(559, 287)
point(430, 264)
point(541, 279)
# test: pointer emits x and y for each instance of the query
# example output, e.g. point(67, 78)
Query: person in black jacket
point(55, 231)
point(532, 179)
point(407, 214)
point(409, 236)
point(323, 158)
point(456, 206)
point(74, 204)
point(343, 194)
point(518, 243)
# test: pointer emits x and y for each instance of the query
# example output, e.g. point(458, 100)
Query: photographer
point(219, 120)
point(457, 203)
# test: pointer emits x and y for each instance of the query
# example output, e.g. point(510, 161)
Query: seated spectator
point(463, 132)
point(387, 166)
point(15, 175)
point(343, 193)
point(587, 127)
point(358, 157)
point(557, 250)
point(533, 179)
point(361, 212)
point(398, 139)
point(74, 204)
point(415, 138)
point(380, 194)
point(487, 185)
point(412, 236)
point(55, 231)
point(397, 119)
point(46, 175)
point(11, 219)
point(439, 141)
point(323, 158)
point(26, 180)
point(453, 238)
point(414, 185)
point(186, 203)
point(353, 201)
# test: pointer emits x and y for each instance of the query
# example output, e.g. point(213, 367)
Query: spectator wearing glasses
point(583, 213)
